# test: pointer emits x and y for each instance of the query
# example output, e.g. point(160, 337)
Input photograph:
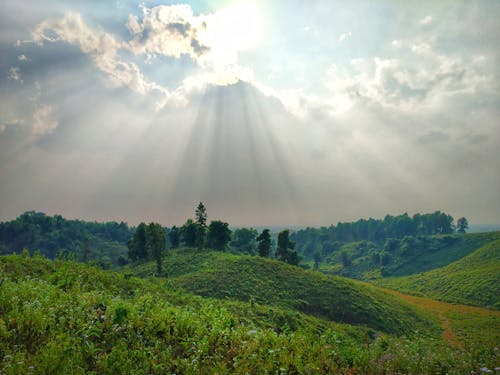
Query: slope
point(474, 279)
point(266, 281)
point(65, 317)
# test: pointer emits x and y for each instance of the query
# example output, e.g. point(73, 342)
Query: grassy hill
point(66, 317)
point(266, 281)
point(474, 279)
point(402, 257)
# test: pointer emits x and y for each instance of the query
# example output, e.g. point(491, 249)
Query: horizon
point(267, 112)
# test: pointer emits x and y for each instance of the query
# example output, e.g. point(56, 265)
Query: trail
point(443, 311)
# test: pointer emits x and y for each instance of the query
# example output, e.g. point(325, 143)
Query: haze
point(269, 112)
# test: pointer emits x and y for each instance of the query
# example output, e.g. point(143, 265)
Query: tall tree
point(218, 235)
point(264, 243)
point(174, 235)
point(462, 225)
point(243, 240)
point(137, 245)
point(156, 239)
point(284, 244)
point(189, 232)
point(201, 220)
point(285, 249)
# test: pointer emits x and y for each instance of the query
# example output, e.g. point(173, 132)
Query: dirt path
point(443, 310)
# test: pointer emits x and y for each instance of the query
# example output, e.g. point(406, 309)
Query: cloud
point(167, 30)
point(103, 49)
point(15, 74)
point(343, 37)
point(426, 20)
point(44, 121)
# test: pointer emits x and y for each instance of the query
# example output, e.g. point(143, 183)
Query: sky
point(270, 112)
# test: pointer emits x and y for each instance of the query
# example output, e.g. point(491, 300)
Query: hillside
point(55, 236)
point(474, 279)
point(402, 257)
point(66, 317)
point(266, 281)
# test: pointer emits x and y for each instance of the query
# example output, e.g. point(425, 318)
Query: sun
point(235, 28)
point(241, 25)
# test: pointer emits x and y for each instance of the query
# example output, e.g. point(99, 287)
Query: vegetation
point(55, 236)
point(401, 257)
point(65, 317)
point(266, 281)
point(474, 279)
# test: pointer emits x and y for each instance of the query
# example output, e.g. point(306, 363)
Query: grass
point(474, 279)
point(266, 281)
point(65, 317)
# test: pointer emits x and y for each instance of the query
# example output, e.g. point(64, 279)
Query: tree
point(201, 221)
point(189, 232)
point(462, 225)
point(155, 239)
point(174, 236)
point(345, 259)
point(284, 249)
point(284, 244)
point(243, 240)
point(218, 235)
point(264, 243)
point(137, 245)
point(85, 250)
point(317, 259)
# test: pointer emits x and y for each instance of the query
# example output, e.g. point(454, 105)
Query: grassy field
point(266, 281)
point(66, 317)
point(474, 279)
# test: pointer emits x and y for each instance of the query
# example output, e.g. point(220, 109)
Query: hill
point(267, 281)
point(67, 317)
point(474, 279)
point(410, 255)
point(56, 236)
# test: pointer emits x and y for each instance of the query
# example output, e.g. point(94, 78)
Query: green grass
point(64, 317)
point(266, 281)
point(474, 279)
point(426, 253)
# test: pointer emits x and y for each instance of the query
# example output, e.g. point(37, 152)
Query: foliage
point(64, 317)
point(474, 279)
point(218, 235)
point(244, 240)
point(174, 236)
point(264, 243)
point(462, 225)
point(267, 281)
point(325, 239)
point(137, 245)
point(155, 243)
point(189, 232)
point(53, 234)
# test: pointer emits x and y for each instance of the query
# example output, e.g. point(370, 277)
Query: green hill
point(266, 281)
point(402, 257)
point(474, 279)
point(66, 317)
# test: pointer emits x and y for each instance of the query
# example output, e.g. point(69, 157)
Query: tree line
point(148, 244)
point(378, 231)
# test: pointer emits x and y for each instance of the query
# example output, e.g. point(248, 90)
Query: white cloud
point(343, 37)
point(15, 74)
point(102, 48)
point(44, 121)
point(426, 20)
point(167, 30)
